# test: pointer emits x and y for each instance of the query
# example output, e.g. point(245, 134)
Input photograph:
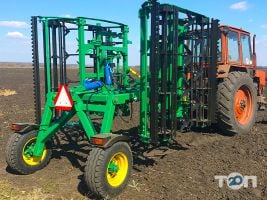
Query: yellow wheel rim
point(27, 157)
point(117, 169)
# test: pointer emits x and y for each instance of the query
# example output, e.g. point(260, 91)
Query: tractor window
point(246, 49)
point(233, 51)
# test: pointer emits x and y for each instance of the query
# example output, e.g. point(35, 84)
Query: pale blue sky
point(15, 16)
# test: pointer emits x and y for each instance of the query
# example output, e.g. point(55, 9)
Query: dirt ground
point(183, 171)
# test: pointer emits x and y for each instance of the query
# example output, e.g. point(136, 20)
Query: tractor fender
point(224, 70)
point(106, 140)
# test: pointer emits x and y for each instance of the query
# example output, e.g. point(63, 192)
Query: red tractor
point(241, 85)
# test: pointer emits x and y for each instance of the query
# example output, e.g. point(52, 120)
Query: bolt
point(242, 104)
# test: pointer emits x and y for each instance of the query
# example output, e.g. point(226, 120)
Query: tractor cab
point(235, 48)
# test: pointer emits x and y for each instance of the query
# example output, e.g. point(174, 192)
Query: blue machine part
point(92, 84)
point(108, 74)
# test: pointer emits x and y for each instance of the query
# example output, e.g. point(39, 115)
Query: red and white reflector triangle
point(63, 100)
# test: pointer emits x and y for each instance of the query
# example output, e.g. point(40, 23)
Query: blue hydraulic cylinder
point(108, 74)
point(92, 84)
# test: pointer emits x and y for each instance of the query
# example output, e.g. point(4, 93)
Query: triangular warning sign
point(63, 100)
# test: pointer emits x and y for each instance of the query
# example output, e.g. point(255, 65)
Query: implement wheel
point(19, 153)
point(236, 98)
point(107, 171)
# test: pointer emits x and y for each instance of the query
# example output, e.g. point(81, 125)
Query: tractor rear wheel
point(236, 103)
point(107, 171)
point(19, 156)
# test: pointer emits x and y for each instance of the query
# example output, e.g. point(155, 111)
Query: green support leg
point(47, 131)
point(108, 116)
point(86, 123)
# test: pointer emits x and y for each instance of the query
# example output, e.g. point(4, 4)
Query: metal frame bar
point(154, 67)
point(214, 34)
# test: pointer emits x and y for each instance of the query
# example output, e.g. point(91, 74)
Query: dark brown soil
point(186, 170)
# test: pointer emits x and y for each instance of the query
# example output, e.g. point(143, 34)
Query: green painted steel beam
point(143, 126)
point(47, 53)
point(81, 48)
point(108, 117)
point(181, 107)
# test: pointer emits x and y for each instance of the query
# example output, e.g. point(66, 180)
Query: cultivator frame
point(177, 72)
point(178, 84)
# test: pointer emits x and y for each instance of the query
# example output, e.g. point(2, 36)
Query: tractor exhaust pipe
point(254, 55)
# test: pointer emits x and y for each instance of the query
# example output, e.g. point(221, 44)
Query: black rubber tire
point(14, 154)
point(226, 119)
point(96, 168)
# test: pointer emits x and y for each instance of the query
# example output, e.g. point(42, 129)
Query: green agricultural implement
point(184, 68)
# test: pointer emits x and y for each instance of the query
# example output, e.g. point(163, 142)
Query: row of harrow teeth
point(35, 68)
